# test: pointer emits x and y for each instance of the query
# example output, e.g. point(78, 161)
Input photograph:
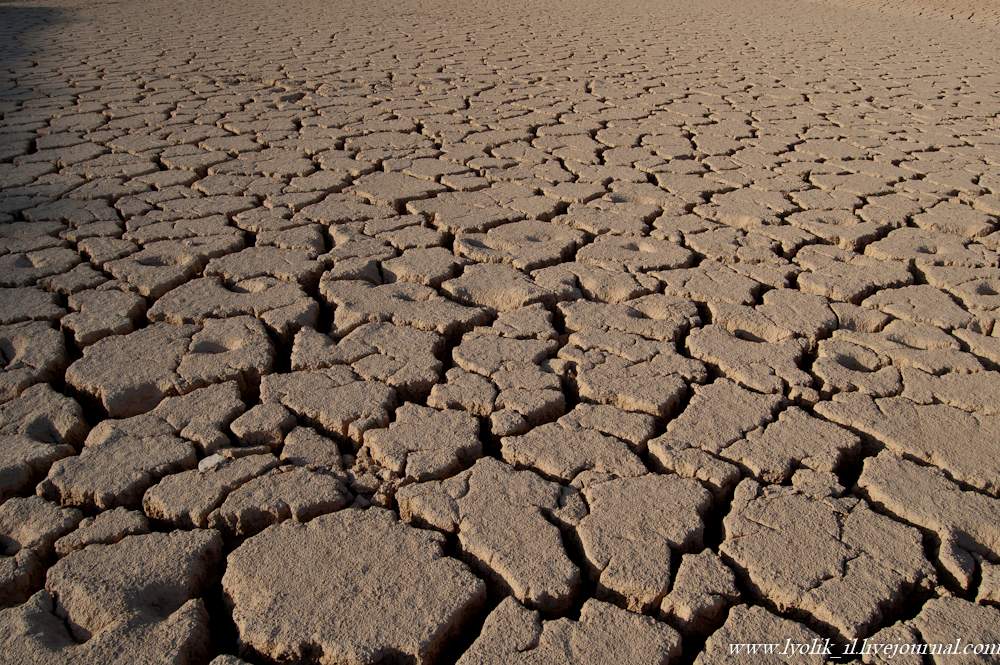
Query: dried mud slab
point(632, 528)
point(130, 374)
point(425, 444)
point(37, 428)
point(32, 352)
point(963, 521)
point(703, 588)
point(401, 303)
point(294, 493)
point(122, 458)
point(717, 416)
point(100, 606)
point(336, 399)
point(944, 436)
point(29, 526)
point(401, 356)
point(591, 437)
point(862, 564)
point(603, 633)
point(506, 523)
point(283, 611)
point(747, 625)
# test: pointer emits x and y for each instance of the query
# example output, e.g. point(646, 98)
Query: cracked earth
point(434, 333)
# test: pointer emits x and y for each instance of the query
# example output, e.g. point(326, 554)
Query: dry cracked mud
point(497, 332)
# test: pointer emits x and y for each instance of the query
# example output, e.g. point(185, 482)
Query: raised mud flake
point(185, 499)
point(704, 587)
point(274, 162)
point(114, 610)
point(98, 313)
point(796, 439)
point(335, 398)
point(28, 528)
point(941, 617)
point(767, 367)
point(575, 281)
point(341, 208)
point(506, 524)
point(977, 289)
point(982, 346)
point(403, 357)
point(227, 349)
point(635, 329)
point(283, 307)
point(79, 278)
point(145, 229)
point(498, 288)
point(525, 245)
point(105, 528)
point(976, 391)
point(359, 302)
point(31, 352)
point(956, 219)
point(654, 386)
point(428, 266)
point(921, 304)
point(306, 447)
point(604, 217)
point(710, 282)
point(926, 248)
point(356, 256)
point(964, 521)
point(782, 314)
point(286, 493)
point(839, 274)
point(290, 265)
point(748, 625)
point(840, 227)
point(861, 564)
point(464, 390)
point(263, 425)
point(424, 443)
point(513, 355)
point(394, 189)
point(572, 445)
point(21, 304)
point(161, 266)
point(746, 208)
point(370, 567)
point(602, 634)
point(756, 255)
point(718, 415)
point(633, 526)
point(989, 584)
point(131, 373)
point(873, 362)
point(27, 268)
point(635, 254)
point(122, 458)
point(464, 212)
point(958, 442)
point(37, 428)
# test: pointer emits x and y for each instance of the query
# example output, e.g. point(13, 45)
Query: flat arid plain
point(502, 333)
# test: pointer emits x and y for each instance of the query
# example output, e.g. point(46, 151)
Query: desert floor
point(494, 332)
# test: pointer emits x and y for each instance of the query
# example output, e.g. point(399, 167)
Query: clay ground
point(498, 332)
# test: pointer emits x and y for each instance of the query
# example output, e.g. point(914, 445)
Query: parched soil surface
point(498, 332)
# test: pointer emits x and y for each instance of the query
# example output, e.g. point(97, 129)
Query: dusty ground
point(497, 332)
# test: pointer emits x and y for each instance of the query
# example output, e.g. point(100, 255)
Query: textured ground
point(497, 332)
